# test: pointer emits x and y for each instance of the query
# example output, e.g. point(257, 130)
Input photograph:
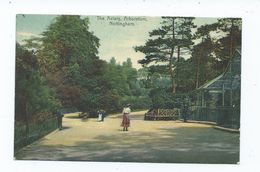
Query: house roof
point(223, 79)
point(207, 84)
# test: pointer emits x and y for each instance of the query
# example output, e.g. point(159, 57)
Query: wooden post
point(202, 98)
point(231, 95)
point(223, 95)
point(231, 88)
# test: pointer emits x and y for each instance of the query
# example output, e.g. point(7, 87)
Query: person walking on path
point(103, 112)
point(59, 119)
point(126, 119)
point(185, 109)
point(101, 115)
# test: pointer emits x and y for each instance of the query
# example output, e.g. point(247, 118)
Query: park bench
point(162, 114)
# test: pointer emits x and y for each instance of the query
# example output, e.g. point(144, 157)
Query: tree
point(68, 55)
point(69, 38)
point(203, 56)
point(131, 76)
point(217, 43)
point(184, 39)
point(175, 32)
point(204, 62)
point(232, 28)
point(33, 98)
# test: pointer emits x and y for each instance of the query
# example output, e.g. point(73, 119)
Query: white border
point(250, 120)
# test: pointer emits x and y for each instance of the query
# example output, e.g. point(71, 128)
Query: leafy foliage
point(67, 58)
point(164, 52)
point(174, 34)
point(33, 96)
point(62, 67)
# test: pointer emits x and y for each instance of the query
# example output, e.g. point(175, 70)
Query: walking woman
point(126, 119)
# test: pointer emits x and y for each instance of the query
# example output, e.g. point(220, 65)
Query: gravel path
point(146, 141)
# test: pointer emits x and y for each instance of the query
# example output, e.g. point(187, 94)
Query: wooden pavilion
point(219, 99)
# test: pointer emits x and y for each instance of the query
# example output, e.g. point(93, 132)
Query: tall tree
point(69, 58)
point(215, 47)
point(203, 54)
point(174, 32)
point(33, 98)
point(184, 39)
point(232, 29)
point(203, 61)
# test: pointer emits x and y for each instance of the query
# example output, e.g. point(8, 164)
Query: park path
point(146, 141)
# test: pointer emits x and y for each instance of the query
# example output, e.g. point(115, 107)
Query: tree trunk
point(177, 65)
point(197, 73)
point(231, 39)
point(172, 76)
point(171, 58)
point(26, 122)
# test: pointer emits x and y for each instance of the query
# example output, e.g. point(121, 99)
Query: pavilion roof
point(226, 80)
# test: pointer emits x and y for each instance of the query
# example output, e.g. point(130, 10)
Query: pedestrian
point(185, 109)
point(99, 116)
point(103, 114)
point(59, 119)
point(126, 117)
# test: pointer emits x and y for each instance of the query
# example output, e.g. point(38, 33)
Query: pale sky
point(116, 40)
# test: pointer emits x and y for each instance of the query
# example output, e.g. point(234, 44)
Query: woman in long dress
point(126, 118)
point(99, 116)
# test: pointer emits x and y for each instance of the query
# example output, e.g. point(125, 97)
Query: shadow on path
point(168, 145)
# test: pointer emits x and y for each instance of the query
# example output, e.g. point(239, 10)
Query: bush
point(137, 103)
point(165, 100)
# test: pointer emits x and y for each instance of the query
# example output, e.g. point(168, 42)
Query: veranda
point(219, 99)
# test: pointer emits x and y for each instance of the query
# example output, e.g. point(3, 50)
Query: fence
point(24, 136)
point(223, 116)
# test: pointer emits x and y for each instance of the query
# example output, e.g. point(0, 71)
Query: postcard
point(144, 89)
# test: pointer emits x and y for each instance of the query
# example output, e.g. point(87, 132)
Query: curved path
point(146, 141)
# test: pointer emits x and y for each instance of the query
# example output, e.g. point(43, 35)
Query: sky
point(118, 34)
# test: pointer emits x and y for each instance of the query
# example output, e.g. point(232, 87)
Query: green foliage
point(70, 39)
point(75, 67)
point(123, 86)
point(186, 77)
point(32, 95)
point(62, 67)
point(166, 45)
point(164, 99)
point(66, 56)
point(213, 53)
point(137, 102)
point(204, 62)
point(215, 44)
point(226, 46)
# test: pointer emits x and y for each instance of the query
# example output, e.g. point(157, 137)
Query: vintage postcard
point(162, 89)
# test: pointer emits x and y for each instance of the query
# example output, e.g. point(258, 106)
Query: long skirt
point(126, 120)
point(99, 117)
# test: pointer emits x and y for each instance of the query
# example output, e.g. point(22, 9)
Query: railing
point(35, 131)
point(223, 116)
